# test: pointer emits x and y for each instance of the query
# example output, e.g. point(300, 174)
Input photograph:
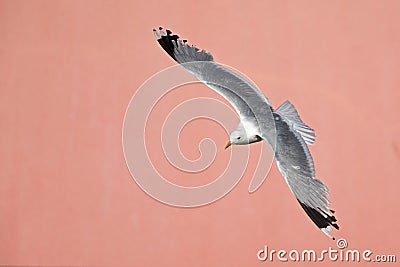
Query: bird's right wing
point(296, 165)
point(243, 95)
point(179, 50)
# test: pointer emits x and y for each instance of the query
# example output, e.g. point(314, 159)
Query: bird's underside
point(290, 139)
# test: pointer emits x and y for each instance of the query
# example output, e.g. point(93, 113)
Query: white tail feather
point(289, 114)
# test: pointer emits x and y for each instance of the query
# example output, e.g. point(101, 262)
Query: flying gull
point(287, 134)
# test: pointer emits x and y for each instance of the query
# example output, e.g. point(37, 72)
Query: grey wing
point(244, 96)
point(296, 165)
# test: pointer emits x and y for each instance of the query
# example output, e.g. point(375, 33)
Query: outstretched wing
point(296, 165)
point(243, 95)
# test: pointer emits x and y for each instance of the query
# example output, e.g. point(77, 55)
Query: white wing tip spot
point(327, 231)
point(158, 37)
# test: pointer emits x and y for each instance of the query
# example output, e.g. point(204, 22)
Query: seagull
point(285, 132)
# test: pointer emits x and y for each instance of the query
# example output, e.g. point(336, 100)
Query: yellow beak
point(228, 144)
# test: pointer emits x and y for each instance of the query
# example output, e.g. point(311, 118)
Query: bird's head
point(240, 136)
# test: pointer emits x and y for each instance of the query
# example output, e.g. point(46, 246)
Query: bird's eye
point(238, 138)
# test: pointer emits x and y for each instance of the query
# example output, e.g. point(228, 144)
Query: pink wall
point(69, 68)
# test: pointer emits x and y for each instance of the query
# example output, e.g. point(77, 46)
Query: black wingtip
point(317, 217)
point(166, 42)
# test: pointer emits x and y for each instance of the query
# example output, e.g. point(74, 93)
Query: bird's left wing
point(296, 165)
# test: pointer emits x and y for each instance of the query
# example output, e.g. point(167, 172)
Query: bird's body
point(282, 128)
